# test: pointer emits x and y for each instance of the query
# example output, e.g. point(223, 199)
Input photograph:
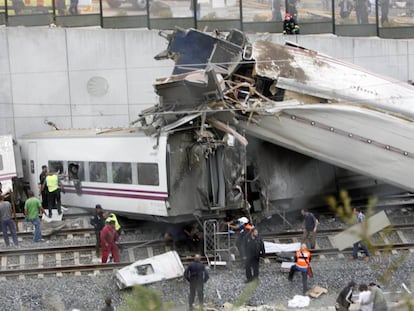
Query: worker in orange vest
point(243, 228)
point(302, 264)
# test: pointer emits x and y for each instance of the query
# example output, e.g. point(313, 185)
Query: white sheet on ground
point(280, 248)
point(299, 301)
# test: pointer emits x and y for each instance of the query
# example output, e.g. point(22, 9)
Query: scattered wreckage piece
point(150, 270)
point(353, 234)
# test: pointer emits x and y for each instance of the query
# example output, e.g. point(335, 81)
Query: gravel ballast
point(224, 285)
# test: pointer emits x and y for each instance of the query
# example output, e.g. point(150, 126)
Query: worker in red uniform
point(109, 237)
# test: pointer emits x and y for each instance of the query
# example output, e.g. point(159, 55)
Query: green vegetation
point(142, 298)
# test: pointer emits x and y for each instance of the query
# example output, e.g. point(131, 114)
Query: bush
point(141, 298)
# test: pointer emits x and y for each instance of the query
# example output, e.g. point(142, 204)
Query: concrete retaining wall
point(102, 77)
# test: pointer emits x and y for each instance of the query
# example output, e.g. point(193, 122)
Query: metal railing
point(383, 18)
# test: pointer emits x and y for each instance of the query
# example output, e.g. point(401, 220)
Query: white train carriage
point(131, 173)
point(10, 166)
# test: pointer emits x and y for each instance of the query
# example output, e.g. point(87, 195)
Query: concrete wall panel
point(382, 56)
point(41, 88)
point(410, 60)
point(45, 111)
point(92, 49)
point(5, 89)
point(93, 87)
point(35, 50)
point(7, 126)
point(24, 125)
point(4, 52)
point(143, 69)
point(100, 121)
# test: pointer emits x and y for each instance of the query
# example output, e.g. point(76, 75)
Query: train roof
point(92, 132)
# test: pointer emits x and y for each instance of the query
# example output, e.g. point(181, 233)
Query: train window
point(121, 173)
point(1, 163)
point(32, 166)
point(56, 166)
point(148, 174)
point(145, 269)
point(76, 170)
point(97, 172)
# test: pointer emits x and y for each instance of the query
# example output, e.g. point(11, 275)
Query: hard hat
point(243, 220)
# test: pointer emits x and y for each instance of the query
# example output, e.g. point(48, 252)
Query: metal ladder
point(216, 243)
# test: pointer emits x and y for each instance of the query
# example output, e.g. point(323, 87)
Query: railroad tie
point(22, 263)
point(404, 239)
point(388, 242)
point(3, 266)
point(150, 252)
point(321, 256)
point(40, 260)
point(131, 255)
point(58, 258)
point(76, 262)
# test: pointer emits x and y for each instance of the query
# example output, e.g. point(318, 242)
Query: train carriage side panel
point(8, 168)
point(134, 150)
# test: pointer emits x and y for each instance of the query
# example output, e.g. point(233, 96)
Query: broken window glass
point(121, 173)
point(148, 174)
point(97, 172)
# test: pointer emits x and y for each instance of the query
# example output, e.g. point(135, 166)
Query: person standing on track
point(32, 207)
point(109, 237)
point(197, 274)
point(310, 224)
point(98, 222)
point(42, 184)
point(7, 222)
point(254, 250)
point(302, 259)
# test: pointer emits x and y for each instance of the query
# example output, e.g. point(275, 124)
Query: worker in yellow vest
point(53, 186)
point(111, 216)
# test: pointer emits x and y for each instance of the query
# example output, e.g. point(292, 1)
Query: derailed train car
point(240, 125)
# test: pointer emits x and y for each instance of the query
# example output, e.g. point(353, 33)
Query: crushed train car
point(313, 123)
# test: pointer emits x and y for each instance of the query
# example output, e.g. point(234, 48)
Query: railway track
point(80, 259)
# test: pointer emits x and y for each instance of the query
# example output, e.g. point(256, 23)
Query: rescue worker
point(98, 222)
point(290, 26)
point(109, 237)
point(243, 228)
point(302, 264)
point(112, 217)
point(42, 184)
point(379, 303)
point(197, 274)
point(53, 192)
point(254, 250)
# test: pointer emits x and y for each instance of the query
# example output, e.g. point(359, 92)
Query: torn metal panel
point(309, 72)
point(189, 91)
point(150, 270)
point(193, 50)
point(348, 237)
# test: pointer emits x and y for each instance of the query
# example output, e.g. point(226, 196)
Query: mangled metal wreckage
point(286, 124)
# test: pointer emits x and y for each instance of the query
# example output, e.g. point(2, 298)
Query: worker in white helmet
point(243, 228)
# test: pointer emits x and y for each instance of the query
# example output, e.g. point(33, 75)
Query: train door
point(32, 167)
